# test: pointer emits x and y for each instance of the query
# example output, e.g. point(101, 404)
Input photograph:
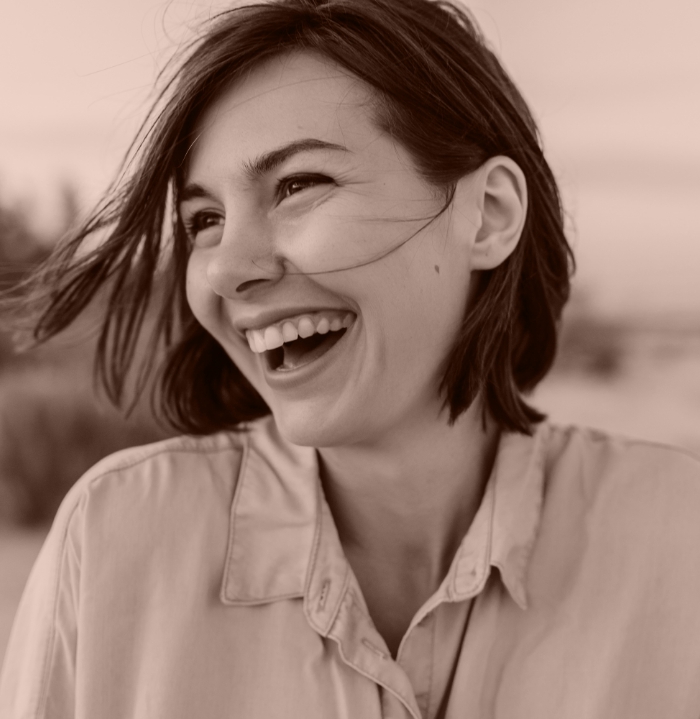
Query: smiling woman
point(325, 228)
point(363, 277)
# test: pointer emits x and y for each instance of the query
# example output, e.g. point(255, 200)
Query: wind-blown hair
point(441, 93)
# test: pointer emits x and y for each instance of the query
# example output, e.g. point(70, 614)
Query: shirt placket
point(334, 607)
point(467, 577)
point(363, 648)
point(416, 658)
point(421, 652)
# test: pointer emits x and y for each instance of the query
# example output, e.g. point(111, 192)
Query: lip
point(291, 379)
point(266, 318)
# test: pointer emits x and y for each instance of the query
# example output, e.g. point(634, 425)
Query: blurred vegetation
point(590, 344)
point(53, 424)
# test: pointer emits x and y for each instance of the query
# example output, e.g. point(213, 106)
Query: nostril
point(244, 286)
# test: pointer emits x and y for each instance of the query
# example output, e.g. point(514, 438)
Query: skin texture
point(402, 484)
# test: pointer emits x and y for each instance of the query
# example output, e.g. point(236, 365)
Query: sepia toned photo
point(350, 360)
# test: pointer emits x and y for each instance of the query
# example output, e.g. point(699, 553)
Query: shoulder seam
point(49, 655)
point(603, 434)
point(129, 464)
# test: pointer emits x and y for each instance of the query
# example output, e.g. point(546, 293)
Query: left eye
point(293, 185)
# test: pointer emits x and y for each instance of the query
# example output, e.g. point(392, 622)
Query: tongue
point(303, 351)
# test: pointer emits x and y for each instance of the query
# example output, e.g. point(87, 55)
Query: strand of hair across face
point(380, 256)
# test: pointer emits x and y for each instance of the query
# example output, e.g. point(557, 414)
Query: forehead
point(288, 98)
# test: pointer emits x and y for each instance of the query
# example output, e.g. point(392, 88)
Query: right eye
point(289, 186)
point(200, 222)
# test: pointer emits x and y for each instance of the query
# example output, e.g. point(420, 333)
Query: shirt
point(204, 577)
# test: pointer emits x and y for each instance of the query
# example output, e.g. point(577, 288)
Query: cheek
point(203, 301)
point(427, 313)
point(347, 234)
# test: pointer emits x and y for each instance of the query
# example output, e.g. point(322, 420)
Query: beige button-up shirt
point(203, 578)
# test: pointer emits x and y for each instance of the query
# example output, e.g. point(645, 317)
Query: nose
point(244, 260)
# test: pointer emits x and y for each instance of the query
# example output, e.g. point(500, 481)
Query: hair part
point(442, 95)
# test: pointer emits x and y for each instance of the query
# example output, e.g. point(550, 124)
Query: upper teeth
point(274, 336)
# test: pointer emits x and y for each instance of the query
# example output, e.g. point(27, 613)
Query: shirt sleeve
point(38, 676)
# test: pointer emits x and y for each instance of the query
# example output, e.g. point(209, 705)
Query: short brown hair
point(442, 94)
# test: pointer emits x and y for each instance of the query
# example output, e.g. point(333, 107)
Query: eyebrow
point(266, 163)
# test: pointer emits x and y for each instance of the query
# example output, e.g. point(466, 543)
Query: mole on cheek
point(437, 269)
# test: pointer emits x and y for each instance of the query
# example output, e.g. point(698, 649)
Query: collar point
point(520, 599)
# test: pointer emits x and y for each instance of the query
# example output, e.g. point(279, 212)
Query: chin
point(308, 425)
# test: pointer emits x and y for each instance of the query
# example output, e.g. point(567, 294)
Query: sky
point(614, 85)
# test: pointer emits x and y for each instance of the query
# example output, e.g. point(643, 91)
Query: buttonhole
point(324, 595)
point(376, 650)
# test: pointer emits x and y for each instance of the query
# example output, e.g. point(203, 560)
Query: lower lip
point(293, 378)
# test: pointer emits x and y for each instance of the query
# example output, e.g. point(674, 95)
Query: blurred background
point(615, 86)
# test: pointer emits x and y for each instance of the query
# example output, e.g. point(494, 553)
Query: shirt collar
point(504, 528)
point(283, 542)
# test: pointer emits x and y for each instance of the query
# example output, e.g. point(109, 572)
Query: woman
point(362, 278)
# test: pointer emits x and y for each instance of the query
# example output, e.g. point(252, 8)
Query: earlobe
point(502, 199)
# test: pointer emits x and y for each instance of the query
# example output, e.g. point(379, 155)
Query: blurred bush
point(53, 426)
point(52, 429)
point(591, 344)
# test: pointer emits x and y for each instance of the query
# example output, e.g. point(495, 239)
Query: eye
point(293, 185)
point(201, 221)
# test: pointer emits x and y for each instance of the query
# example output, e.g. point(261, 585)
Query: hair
point(442, 95)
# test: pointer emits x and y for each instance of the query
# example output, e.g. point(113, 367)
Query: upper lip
point(265, 318)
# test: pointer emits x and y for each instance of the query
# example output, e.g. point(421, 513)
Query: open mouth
point(297, 341)
point(302, 351)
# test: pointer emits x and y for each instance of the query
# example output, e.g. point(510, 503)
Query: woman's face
point(306, 218)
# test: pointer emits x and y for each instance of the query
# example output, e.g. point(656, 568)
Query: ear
point(501, 197)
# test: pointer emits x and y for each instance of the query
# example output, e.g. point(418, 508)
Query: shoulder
point(597, 459)
point(619, 525)
point(161, 504)
point(629, 490)
point(156, 480)
point(171, 461)
point(616, 560)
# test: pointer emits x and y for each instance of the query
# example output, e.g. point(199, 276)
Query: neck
point(402, 503)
